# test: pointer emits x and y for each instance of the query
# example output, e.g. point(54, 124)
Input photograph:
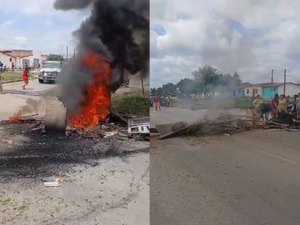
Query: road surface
point(173, 115)
point(114, 191)
point(14, 97)
point(251, 178)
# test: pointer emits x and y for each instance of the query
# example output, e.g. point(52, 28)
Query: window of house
point(255, 91)
point(247, 90)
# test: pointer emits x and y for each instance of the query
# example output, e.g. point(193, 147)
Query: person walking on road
point(25, 77)
point(156, 103)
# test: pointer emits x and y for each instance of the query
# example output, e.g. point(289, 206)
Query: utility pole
point(142, 81)
point(284, 81)
point(74, 53)
point(272, 77)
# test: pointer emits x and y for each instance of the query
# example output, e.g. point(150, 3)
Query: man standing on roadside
point(257, 103)
point(282, 104)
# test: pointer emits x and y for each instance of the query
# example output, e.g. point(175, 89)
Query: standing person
point(25, 77)
point(282, 104)
point(156, 103)
point(168, 100)
point(13, 67)
point(274, 105)
point(257, 103)
point(298, 106)
point(1, 67)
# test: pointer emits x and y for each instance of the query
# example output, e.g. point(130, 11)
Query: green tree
point(207, 77)
point(153, 91)
point(168, 89)
point(53, 57)
point(187, 86)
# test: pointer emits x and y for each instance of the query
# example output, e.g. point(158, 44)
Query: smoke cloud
point(117, 29)
point(71, 4)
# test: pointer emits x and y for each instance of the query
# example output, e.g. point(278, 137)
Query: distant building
point(44, 58)
point(19, 58)
point(266, 90)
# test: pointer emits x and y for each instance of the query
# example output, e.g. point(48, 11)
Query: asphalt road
point(250, 178)
point(173, 115)
point(14, 97)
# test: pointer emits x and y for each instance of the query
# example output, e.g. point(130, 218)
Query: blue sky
point(251, 37)
point(37, 25)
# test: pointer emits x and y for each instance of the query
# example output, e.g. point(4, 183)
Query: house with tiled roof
point(19, 58)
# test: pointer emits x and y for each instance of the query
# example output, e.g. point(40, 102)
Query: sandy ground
point(109, 191)
point(248, 178)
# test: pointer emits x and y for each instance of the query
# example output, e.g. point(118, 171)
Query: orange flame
point(98, 96)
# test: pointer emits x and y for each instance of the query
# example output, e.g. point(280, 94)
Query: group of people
point(280, 104)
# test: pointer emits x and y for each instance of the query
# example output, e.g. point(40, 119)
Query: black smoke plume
point(118, 29)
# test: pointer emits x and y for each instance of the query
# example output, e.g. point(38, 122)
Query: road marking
point(276, 156)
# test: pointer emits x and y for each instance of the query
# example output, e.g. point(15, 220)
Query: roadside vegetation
point(131, 105)
point(12, 76)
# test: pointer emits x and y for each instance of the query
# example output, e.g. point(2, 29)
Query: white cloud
point(41, 28)
point(251, 37)
point(7, 23)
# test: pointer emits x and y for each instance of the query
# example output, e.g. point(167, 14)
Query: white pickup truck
point(49, 71)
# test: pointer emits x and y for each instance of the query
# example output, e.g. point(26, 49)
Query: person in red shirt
point(156, 102)
point(25, 76)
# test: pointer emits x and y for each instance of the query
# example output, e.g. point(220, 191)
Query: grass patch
point(243, 103)
point(12, 76)
point(131, 105)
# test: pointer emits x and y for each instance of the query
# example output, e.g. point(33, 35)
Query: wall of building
point(250, 91)
point(291, 89)
point(34, 60)
point(5, 59)
point(269, 92)
point(239, 93)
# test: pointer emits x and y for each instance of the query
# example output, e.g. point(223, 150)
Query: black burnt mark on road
point(31, 154)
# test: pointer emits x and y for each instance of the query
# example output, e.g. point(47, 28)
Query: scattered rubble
point(226, 124)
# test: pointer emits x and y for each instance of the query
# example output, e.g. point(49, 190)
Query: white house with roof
point(252, 90)
point(19, 58)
